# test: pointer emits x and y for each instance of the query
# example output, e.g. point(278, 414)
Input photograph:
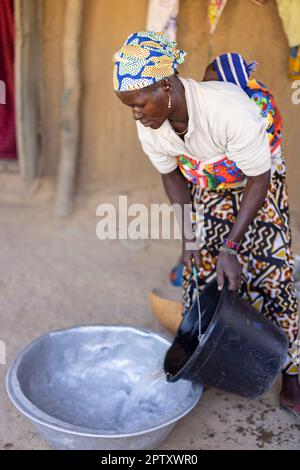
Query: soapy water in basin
point(115, 386)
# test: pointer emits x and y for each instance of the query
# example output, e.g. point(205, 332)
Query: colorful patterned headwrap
point(234, 69)
point(145, 58)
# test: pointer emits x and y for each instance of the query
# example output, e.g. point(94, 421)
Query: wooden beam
point(27, 68)
point(70, 103)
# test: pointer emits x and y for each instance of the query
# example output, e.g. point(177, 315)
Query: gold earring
point(170, 101)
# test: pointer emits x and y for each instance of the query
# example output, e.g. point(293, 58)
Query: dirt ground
point(57, 274)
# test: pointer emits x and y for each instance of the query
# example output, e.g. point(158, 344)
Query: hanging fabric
point(162, 16)
point(215, 10)
point(7, 102)
point(289, 12)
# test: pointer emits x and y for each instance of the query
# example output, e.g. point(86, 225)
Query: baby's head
point(210, 73)
point(230, 67)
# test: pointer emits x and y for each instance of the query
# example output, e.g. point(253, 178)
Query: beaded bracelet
point(225, 249)
point(231, 245)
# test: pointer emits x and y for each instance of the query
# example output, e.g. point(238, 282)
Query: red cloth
point(7, 111)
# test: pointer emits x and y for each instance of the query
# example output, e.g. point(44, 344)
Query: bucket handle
point(195, 275)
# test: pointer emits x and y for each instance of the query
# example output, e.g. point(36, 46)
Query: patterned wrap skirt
point(265, 256)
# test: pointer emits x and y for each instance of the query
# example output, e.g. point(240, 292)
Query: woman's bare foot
point(290, 394)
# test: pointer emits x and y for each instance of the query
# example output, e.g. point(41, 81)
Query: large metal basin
point(72, 384)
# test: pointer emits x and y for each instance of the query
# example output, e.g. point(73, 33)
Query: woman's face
point(149, 105)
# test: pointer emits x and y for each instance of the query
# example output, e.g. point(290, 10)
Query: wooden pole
point(70, 103)
point(27, 66)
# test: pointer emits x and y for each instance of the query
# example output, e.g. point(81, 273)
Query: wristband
point(231, 245)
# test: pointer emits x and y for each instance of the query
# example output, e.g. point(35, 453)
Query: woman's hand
point(228, 265)
point(188, 255)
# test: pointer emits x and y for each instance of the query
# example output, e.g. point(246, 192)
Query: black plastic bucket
point(241, 351)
